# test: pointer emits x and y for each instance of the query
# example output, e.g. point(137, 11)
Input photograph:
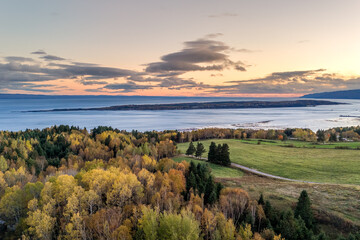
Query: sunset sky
point(186, 48)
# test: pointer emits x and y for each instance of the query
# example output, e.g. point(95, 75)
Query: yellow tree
point(126, 188)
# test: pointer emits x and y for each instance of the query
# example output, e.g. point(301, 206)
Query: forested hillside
point(68, 183)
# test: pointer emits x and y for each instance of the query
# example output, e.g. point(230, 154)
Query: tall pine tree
point(303, 210)
point(200, 149)
point(191, 150)
point(212, 153)
point(225, 155)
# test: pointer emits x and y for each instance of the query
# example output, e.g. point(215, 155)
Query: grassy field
point(302, 144)
point(217, 170)
point(311, 164)
point(334, 205)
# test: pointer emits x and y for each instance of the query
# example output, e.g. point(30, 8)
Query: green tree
point(149, 223)
point(210, 192)
point(212, 153)
point(303, 210)
point(320, 135)
point(191, 150)
point(288, 226)
point(333, 137)
point(178, 226)
point(225, 155)
point(200, 149)
point(261, 200)
point(3, 164)
point(108, 140)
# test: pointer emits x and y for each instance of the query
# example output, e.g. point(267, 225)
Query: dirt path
point(254, 171)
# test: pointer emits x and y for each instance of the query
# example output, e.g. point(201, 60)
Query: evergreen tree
point(302, 231)
point(288, 226)
point(225, 155)
point(218, 189)
point(108, 140)
point(191, 150)
point(200, 149)
point(218, 154)
point(212, 153)
point(261, 200)
point(210, 191)
point(303, 210)
point(199, 178)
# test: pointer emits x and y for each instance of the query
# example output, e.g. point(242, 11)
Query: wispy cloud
point(39, 52)
point(52, 58)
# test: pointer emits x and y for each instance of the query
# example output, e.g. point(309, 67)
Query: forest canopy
point(69, 183)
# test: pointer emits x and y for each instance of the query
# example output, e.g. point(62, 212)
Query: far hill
point(202, 105)
point(348, 94)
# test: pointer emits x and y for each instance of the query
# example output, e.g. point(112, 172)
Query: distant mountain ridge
point(347, 94)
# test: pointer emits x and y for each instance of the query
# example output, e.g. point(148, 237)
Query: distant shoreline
point(201, 105)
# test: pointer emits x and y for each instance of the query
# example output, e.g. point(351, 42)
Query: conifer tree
point(303, 210)
point(108, 140)
point(200, 149)
point(225, 155)
point(212, 153)
point(210, 191)
point(261, 200)
point(191, 150)
point(218, 154)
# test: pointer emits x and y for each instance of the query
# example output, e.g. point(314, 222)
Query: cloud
point(52, 58)
point(86, 82)
point(127, 87)
point(204, 54)
point(17, 73)
point(39, 52)
point(18, 59)
point(300, 82)
point(213, 35)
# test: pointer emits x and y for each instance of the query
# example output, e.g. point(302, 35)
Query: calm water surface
point(320, 117)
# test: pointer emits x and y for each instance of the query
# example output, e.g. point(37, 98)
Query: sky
point(245, 48)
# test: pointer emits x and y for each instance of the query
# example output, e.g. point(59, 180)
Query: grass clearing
point(334, 205)
point(303, 144)
point(336, 166)
point(217, 170)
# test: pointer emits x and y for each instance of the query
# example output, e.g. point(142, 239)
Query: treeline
point(330, 135)
point(219, 154)
point(110, 184)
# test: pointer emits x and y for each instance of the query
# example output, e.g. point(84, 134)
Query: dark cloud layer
point(52, 58)
point(204, 54)
point(290, 82)
point(127, 87)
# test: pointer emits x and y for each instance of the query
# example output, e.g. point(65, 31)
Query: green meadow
point(323, 165)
